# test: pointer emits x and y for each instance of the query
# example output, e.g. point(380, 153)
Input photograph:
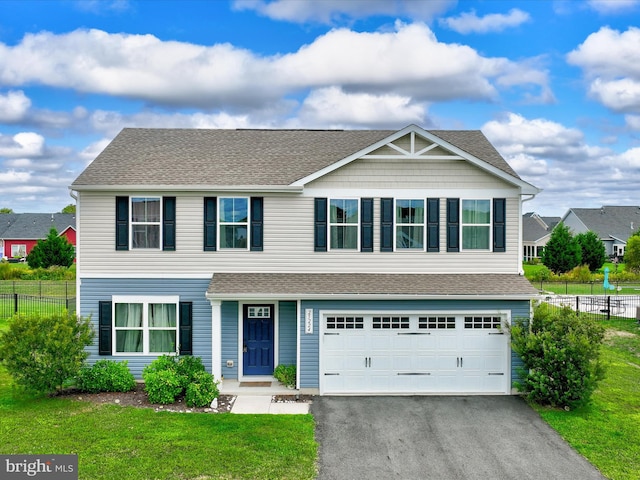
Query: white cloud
point(13, 177)
point(409, 61)
point(614, 79)
point(633, 121)
point(25, 144)
point(613, 6)
point(334, 108)
point(14, 106)
point(330, 11)
point(469, 22)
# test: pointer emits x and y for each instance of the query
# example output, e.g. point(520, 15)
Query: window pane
point(234, 210)
point(145, 209)
point(409, 211)
point(145, 236)
point(129, 341)
point(162, 315)
point(476, 211)
point(475, 238)
point(344, 237)
point(129, 315)
point(162, 341)
point(409, 237)
point(343, 211)
point(233, 236)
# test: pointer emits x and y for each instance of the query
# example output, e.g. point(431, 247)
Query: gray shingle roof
point(33, 226)
point(533, 230)
point(163, 157)
point(615, 221)
point(303, 285)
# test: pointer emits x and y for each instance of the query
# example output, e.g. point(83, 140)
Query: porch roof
point(229, 286)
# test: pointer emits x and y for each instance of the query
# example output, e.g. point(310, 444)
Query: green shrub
point(43, 352)
point(202, 390)
point(9, 272)
point(286, 374)
point(561, 354)
point(162, 386)
point(106, 376)
point(169, 377)
point(579, 274)
point(542, 274)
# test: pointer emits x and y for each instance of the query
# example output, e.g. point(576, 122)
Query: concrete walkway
point(263, 404)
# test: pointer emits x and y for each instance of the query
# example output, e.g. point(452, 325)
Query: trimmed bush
point(202, 390)
point(42, 353)
point(561, 354)
point(162, 386)
point(169, 377)
point(106, 376)
point(286, 374)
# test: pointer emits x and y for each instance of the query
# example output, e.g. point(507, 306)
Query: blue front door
point(257, 356)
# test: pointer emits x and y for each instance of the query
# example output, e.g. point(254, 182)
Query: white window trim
point(490, 225)
point(396, 224)
point(221, 223)
point(357, 225)
point(145, 300)
point(132, 223)
point(20, 246)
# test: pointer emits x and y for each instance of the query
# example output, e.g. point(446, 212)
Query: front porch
point(260, 385)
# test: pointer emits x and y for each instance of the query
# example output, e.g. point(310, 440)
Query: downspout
point(78, 271)
point(521, 239)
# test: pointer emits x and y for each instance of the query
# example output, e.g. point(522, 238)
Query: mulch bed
point(138, 398)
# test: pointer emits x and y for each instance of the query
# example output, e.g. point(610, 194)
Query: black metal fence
point(599, 306)
point(39, 288)
point(14, 303)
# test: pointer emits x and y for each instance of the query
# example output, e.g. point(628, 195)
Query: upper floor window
point(343, 224)
point(476, 224)
point(145, 222)
point(234, 222)
point(410, 224)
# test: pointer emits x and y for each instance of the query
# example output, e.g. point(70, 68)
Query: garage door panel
point(416, 354)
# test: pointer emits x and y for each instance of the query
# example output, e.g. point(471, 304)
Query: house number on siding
point(308, 320)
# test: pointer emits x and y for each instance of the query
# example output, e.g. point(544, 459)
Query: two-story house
point(377, 262)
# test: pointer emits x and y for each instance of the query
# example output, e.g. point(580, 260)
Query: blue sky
point(554, 85)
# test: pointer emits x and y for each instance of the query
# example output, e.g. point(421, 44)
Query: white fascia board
point(365, 296)
point(526, 188)
point(191, 188)
point(136, 275)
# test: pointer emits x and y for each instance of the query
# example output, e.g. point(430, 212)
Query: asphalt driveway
point(441, 438)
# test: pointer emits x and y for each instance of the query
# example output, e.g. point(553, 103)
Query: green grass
point(125, 442)
point(607, 432)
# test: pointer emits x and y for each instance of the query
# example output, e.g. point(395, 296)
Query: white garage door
point(417, 353)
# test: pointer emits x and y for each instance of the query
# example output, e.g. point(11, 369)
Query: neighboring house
point(377, 262)
point(536, 231)
point(19, 232)
point(613, 225)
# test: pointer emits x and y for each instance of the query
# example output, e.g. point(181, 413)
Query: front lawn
point(115, 442)
point(607, 432)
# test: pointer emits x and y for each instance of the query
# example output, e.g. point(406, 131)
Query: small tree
point(43, 352)
point(561, 353)
point(632, 254)
point(53, 250)
point(593, 252)
point(562, 252)
point(6, 210)
point(71, 208)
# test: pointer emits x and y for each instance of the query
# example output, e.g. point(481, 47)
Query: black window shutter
point(499, 225)
point(366, 224)
point(104, 328)
point(186, 328)
point(433, 224)
point(122, 223)
point(453, 224)
point(210, 223)
point(320, 225)
point(386, 224)
point(168, 223)
point(257, 211)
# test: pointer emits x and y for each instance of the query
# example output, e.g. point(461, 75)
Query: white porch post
point(216, 339)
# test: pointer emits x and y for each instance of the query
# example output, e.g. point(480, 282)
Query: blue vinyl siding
point(287, 333)
point(229, 348)
point(94, 290)
point(309, 343)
